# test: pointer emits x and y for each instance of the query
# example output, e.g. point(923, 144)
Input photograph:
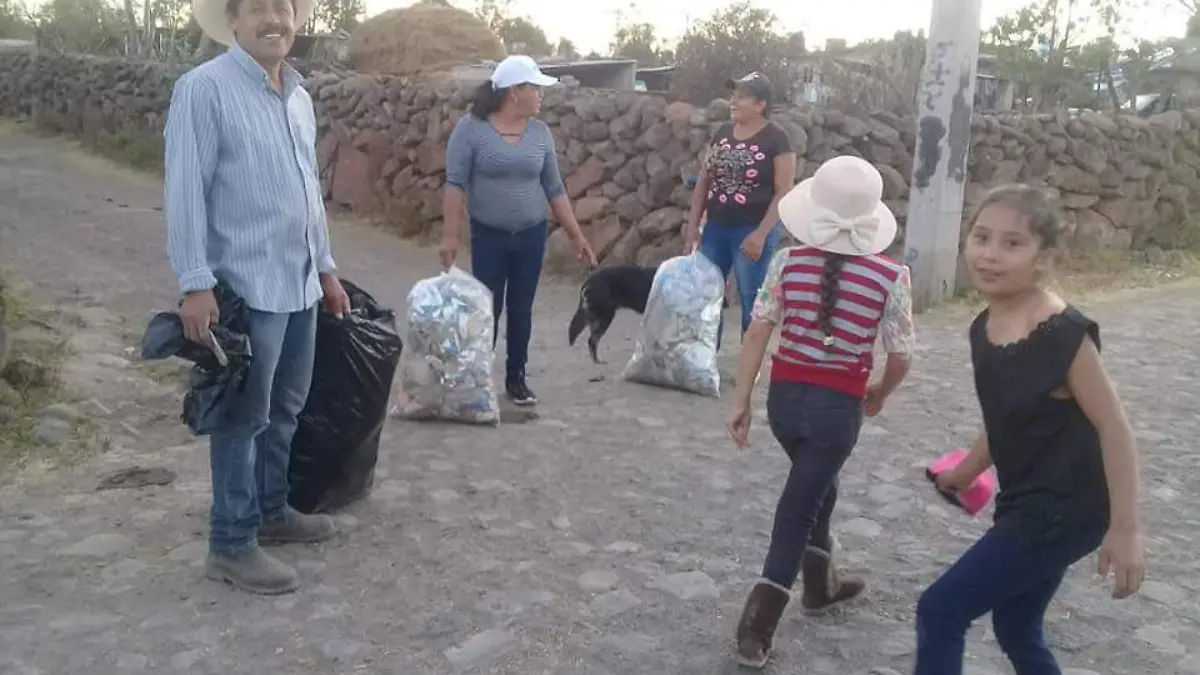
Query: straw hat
point(210, 14)
point(840, 209)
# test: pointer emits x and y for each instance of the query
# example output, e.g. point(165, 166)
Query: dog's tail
point(579, 321)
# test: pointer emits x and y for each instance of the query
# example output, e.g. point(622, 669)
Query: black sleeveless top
point(1046, 451)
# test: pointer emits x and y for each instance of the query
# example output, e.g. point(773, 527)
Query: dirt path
point(614, 536)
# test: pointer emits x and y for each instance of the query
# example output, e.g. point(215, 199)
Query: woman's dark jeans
point(1014, 579)
point(510, 265)
point(818, 428)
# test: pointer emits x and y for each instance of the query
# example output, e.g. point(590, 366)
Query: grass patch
point(29, 379)
point(1080, 277)
point(133, 150)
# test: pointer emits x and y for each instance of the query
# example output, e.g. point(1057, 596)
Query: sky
point(590, 24)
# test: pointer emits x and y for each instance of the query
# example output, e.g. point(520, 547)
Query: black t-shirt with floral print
point(742, 174)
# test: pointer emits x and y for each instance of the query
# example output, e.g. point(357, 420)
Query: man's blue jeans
point(510, 265)
point(1010, 577)
point(722, 243)
point(250, 453)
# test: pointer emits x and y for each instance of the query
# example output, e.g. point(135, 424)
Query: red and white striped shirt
point(874, 298)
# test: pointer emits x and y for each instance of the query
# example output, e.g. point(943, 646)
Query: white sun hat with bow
point(840, 209)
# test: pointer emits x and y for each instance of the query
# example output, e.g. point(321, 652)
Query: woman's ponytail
point(487, 100)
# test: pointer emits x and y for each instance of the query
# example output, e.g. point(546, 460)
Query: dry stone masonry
point(1122, 182)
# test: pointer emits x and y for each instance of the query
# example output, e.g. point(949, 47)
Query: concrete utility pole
point(944, 105)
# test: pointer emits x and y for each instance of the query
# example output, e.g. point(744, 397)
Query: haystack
point(420, 38)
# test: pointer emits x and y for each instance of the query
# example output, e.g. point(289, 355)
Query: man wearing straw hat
point(244, 205)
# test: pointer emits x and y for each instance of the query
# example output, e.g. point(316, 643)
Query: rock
point(26, 372)
point(1164, 593)
point(686, 585)
point(613, 603)
point(861, 527)
point(623, 547)
point(481, 649)
point(597, 581)
point(99, 546)
point(9, 396)
point(381, 146)
point(53, 431)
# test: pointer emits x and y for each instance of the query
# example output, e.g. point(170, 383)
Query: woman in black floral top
point(749, 166)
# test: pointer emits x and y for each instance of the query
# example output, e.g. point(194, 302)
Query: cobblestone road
point(615, 535)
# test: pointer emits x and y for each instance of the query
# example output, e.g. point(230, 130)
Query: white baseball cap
point(520, 69)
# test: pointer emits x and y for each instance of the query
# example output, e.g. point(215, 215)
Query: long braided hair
point(830, 278)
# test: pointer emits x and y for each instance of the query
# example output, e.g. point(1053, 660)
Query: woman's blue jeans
point(721, 242)
point(510, 265)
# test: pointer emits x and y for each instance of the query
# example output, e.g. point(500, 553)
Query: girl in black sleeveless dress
point(1057, 434)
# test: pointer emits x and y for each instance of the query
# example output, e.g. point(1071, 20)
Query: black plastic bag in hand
point(337, 441)
point(213, 377)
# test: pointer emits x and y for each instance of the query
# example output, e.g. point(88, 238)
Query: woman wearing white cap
point(830, 297)
point(501, 175)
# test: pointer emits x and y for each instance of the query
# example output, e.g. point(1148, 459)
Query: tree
point(1039, 45)
point(84, 26)
point(332, 16)
point(15, 20)
point(567, 50)
point(519, 34)
point(639, 42)
point(732, 42)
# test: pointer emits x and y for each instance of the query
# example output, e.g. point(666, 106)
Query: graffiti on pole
point(960, 125)
point(934, 82)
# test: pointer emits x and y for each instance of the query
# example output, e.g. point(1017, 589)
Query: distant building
point(619, 74)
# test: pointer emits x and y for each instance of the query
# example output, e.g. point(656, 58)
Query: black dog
point(605, 291)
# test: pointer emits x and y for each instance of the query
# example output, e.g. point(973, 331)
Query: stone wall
point(1122, 182)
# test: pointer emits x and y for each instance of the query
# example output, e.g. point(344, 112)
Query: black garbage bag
point(218, 370)
point(337, 442)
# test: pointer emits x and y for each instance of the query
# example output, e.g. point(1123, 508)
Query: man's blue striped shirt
point(243, 194)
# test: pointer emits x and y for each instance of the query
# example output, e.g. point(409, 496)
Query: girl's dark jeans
point(1014, 579)
point(818, 428)
point(510, 265)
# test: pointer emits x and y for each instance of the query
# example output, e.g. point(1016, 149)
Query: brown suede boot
point(760, 618)
point(823, 589)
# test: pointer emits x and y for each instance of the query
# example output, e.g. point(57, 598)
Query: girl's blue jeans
point(721, 242)
point(1009, 576)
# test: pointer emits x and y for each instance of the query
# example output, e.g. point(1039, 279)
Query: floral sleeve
point(897, 330)
point(768, 304)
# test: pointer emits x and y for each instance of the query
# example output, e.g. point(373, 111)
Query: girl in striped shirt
point(830, 297)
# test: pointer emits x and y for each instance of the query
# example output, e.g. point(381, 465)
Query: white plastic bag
point(677, 344)
point(446, 368)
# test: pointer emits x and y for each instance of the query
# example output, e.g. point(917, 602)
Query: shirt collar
point(289, 76)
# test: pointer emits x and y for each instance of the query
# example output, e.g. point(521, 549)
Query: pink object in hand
point(973, 499)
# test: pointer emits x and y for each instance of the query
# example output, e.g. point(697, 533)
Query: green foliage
point(1065, 50)
point(83, 26)
point(732, 42)
point(567, 50)
point(331, 16)
point(519, 34)
point(639, 42)
point(16, 23)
